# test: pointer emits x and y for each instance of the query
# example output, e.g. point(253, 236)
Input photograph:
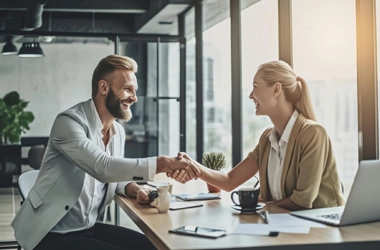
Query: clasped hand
point(181, 175)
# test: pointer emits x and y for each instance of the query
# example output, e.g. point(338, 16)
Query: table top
point(219, 213)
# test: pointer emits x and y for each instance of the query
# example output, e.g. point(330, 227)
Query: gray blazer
point(70, 154)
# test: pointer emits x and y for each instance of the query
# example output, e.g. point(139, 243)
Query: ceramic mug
point(248, 197)
point(162, 202)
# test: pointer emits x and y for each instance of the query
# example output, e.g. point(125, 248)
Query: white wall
point(53, 83)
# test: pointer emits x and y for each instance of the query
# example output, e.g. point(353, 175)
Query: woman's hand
point(180, 175)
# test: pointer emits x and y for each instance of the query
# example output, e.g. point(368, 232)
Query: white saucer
point(249, 210)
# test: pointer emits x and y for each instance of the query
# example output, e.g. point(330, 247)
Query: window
point(324, 54)
point(259, 45)
point(217, 79)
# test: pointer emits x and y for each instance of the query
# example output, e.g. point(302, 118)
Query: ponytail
point(304, 104)
point(295, 88)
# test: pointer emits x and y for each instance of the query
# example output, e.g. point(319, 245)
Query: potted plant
point(215, 161)
point(13, 121)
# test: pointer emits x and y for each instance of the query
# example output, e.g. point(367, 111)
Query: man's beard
point(113, 106)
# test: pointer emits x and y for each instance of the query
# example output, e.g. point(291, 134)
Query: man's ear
point(103, 87)
point(277, 88)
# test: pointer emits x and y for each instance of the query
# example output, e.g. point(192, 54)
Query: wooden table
point(218, 213)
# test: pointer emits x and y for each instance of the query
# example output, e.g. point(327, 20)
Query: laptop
point(363, 203)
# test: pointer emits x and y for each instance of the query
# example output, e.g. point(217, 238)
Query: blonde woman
point(294, 158)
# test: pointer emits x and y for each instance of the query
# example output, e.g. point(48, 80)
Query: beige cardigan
point(309, 176)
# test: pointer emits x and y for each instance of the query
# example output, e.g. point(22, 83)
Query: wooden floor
point(9, 203)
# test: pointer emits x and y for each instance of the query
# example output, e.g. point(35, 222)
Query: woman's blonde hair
point(295, 88)
point(109, 64)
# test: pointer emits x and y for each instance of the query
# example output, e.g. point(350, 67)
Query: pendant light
point(31, 49)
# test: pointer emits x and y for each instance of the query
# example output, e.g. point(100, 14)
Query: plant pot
point(213, 189)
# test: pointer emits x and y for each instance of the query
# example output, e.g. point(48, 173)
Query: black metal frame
point(199, 77)
point(182, 82)
point(236, 84)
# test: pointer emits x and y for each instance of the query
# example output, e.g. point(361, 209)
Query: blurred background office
point(196, 62)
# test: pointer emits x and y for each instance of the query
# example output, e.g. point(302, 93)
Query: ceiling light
point(30, 49)
point(9, 48)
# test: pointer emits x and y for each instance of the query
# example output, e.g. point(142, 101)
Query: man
point(83, 167)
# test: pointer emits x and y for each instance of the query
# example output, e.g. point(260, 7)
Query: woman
point(295, 158)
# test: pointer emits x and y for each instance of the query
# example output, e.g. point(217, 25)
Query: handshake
point(181, 168)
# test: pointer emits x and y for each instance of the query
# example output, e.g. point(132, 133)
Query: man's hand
point(187, 167)
point(142, 196)
point(180, 175)
point(134, 190)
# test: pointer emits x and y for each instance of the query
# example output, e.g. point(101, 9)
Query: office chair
point(35, 155)
point(25, 183)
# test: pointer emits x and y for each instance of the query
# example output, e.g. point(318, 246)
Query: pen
point(266, 217)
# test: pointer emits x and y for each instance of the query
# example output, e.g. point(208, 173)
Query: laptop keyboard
point(331, 216)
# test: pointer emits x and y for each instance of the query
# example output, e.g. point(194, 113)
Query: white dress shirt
point(276, 157)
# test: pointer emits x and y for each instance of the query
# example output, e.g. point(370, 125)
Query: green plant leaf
point(27, 116)
point(13, 119)
point(2, 105)
point(12, 98)
point(214, 160)
point(14, 137)
point(23, 104)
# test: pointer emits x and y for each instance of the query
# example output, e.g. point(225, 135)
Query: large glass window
point(324, 54)
point(217, 79)
point(191, 121)
point(259, 45)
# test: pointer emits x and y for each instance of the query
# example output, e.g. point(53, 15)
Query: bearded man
point(84, 166)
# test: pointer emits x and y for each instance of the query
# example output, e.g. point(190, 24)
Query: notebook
point(197, 197)
point(363, 203)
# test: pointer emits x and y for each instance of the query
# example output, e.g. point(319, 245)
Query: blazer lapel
point(264, 185)
point(289, 150)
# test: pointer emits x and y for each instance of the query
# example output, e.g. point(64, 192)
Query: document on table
point(265, 229)
point(283, 223)
point(290, 220)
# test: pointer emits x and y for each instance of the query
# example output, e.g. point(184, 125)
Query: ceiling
point(123, 17)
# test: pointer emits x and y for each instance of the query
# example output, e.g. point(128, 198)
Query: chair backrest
point(26, 181)
point(35, 155)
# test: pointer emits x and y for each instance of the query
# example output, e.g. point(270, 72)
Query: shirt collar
point(98, 122)
point(288, 129)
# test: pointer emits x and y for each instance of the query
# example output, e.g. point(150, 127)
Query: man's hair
point(108, 65)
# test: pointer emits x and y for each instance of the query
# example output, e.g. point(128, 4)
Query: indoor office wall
point(52, 83)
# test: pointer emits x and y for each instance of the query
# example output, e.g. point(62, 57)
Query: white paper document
point(282, 223)
point(290, 220)
point(265, 229)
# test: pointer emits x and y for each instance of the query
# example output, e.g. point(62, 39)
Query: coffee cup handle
point(232, 197)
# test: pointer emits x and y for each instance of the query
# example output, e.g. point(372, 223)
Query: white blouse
point(276, 157)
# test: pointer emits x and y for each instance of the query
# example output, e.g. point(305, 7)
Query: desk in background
point(218, 213)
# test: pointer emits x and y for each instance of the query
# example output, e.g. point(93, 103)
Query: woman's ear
point(103, 87)
point(277, 88)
